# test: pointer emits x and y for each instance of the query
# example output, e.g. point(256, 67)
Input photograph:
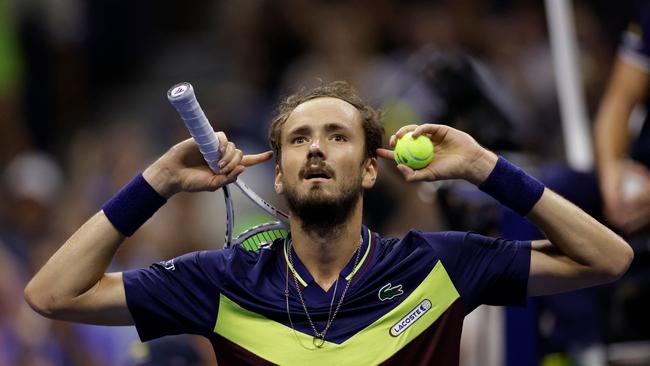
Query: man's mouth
point(317, 174)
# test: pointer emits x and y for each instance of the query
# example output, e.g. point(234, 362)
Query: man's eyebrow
point(300, 130)
point(306, 129)
point(335, 126)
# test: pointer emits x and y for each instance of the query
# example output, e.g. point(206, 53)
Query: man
point(623, 163)
point(333, 291)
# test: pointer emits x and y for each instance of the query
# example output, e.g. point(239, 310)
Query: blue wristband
point(133, 205)
point(511, 186)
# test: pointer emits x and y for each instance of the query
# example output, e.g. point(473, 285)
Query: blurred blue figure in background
point(617, 193)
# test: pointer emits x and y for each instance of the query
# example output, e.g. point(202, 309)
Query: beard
point(321, 214)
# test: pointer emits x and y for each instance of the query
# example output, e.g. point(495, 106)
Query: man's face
point(323, 153)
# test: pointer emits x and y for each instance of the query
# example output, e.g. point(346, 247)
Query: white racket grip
point(182, 97)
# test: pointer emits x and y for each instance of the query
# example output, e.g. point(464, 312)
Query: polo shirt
point(405, 303)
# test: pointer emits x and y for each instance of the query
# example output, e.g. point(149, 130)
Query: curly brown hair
point(372, 127)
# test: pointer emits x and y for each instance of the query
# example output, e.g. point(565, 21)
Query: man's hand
point(457, 155)
point(626, 195)
point(183, 169)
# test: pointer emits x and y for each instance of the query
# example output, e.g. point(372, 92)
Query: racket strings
point(261, 236)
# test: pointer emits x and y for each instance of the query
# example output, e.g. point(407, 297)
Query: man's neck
point(326, 256)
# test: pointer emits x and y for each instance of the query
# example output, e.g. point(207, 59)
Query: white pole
point(568, 78)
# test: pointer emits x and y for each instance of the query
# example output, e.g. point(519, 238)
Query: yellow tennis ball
point(414, 152)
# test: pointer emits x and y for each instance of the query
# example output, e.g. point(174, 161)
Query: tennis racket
point(182, 97)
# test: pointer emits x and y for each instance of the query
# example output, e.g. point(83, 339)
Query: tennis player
point(333, 292)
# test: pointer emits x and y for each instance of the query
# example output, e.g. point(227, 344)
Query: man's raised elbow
point(619, 263)
point(42, 303)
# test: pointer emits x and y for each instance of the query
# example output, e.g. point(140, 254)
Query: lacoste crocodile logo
point(388, 292)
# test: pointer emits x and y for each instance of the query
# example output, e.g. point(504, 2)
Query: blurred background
point(83, 108)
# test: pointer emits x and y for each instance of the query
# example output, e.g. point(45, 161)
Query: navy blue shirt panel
point(177, 296)
point(484, 270)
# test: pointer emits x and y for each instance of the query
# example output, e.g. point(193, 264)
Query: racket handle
point(182, 97)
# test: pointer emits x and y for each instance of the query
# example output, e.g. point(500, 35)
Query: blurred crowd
point(83, 109)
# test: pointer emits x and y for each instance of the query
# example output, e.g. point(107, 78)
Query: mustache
point(316, 164)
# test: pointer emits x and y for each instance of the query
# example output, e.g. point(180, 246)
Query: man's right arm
point(73, 285)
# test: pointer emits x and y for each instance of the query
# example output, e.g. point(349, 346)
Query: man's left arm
point(580, 251)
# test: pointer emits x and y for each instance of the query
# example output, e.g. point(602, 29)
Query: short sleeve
point(177, 296)
point(484, 270)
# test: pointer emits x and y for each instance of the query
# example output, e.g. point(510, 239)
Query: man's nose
point(315, 149)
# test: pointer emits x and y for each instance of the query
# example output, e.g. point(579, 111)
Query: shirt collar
point(305, 278)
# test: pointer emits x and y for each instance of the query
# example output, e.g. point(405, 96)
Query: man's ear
point(370, 170)
point(278, 180)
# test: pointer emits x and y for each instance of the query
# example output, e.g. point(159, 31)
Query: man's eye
point(298, 140)
point(340, 138)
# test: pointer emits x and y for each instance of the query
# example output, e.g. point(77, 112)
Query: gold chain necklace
point(318, 339)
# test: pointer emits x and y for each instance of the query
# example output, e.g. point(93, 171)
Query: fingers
point(219, 180)
point(230, 159)
point(250, 160)
point(637, 168)
point(411, 175)
point(234, 157)
point(228, 151)
point(401, 132)
point(386, 154)
point(195, 175)
point(223, 141)
point(231, 156)
point(634, 218)
point(232, 175)
point(628, 218)
point(635, 222)
point(639, 202)
point(435, 132)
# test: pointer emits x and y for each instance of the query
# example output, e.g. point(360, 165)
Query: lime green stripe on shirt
point(347, 278)
point(293, 270)
point(279, 344)
point(365, 256)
